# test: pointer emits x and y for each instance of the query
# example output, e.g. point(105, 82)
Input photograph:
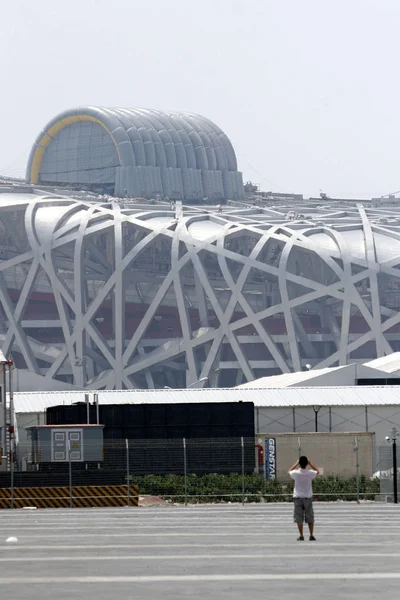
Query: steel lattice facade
point(125, 295)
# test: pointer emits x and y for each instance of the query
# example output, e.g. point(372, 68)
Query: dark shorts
point(303, 510)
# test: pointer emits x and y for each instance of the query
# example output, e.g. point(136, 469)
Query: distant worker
point(303, 495)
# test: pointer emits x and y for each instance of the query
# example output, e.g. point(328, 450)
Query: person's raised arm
point(312, 467)
point(294, 466)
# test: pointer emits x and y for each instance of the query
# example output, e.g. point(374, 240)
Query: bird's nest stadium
point(155, 291)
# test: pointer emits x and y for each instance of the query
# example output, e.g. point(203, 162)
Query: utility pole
point(392, 439)
point(4, 449)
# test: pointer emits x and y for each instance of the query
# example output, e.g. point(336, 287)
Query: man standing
point(302, 495)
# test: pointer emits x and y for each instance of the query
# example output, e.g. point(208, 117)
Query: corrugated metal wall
point(177, 184)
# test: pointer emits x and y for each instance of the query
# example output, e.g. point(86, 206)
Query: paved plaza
point(218, 552)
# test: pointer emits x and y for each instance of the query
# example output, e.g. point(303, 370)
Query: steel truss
point(233, 279)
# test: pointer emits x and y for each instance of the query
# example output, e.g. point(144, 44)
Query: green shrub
point(228, 488)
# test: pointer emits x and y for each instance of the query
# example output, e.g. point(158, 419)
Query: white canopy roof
point(35, 402)
point(341, 375)
point(388, 364)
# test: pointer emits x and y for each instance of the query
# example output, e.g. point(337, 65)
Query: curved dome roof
point(94, 145)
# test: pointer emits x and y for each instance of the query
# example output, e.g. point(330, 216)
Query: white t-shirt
point(303, 479)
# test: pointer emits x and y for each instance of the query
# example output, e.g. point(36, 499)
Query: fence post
point(185, 468)
point(96, 399)
point(357, 469)
point(242, 443)
point(127, 472)
point(12, 431)
point(70, 473)
point(299, 446)
point(12, 446)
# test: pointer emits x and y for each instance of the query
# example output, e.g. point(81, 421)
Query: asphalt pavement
point(219, 552)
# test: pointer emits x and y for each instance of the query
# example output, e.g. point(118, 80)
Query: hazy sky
point(307, 90)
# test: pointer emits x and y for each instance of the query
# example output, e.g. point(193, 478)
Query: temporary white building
point(277, 410)
point(323, 400)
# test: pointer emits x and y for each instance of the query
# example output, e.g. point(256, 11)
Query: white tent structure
point(379, 370)
point(277, 410)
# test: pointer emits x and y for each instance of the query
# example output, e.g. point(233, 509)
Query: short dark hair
point(303, 461)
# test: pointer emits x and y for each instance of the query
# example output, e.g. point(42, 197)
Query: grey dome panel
point(89, 145)
point(67, 164)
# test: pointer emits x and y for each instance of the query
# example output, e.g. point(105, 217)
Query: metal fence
point(119, 472)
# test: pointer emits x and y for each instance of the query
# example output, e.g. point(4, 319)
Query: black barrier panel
point(152, 421)
point(178, 414)
point(156, 416)
point(381, 381)
point(199, 415)
point(212, 432)
point(134, 415)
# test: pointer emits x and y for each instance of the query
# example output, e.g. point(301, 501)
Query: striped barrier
point(59, 497)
